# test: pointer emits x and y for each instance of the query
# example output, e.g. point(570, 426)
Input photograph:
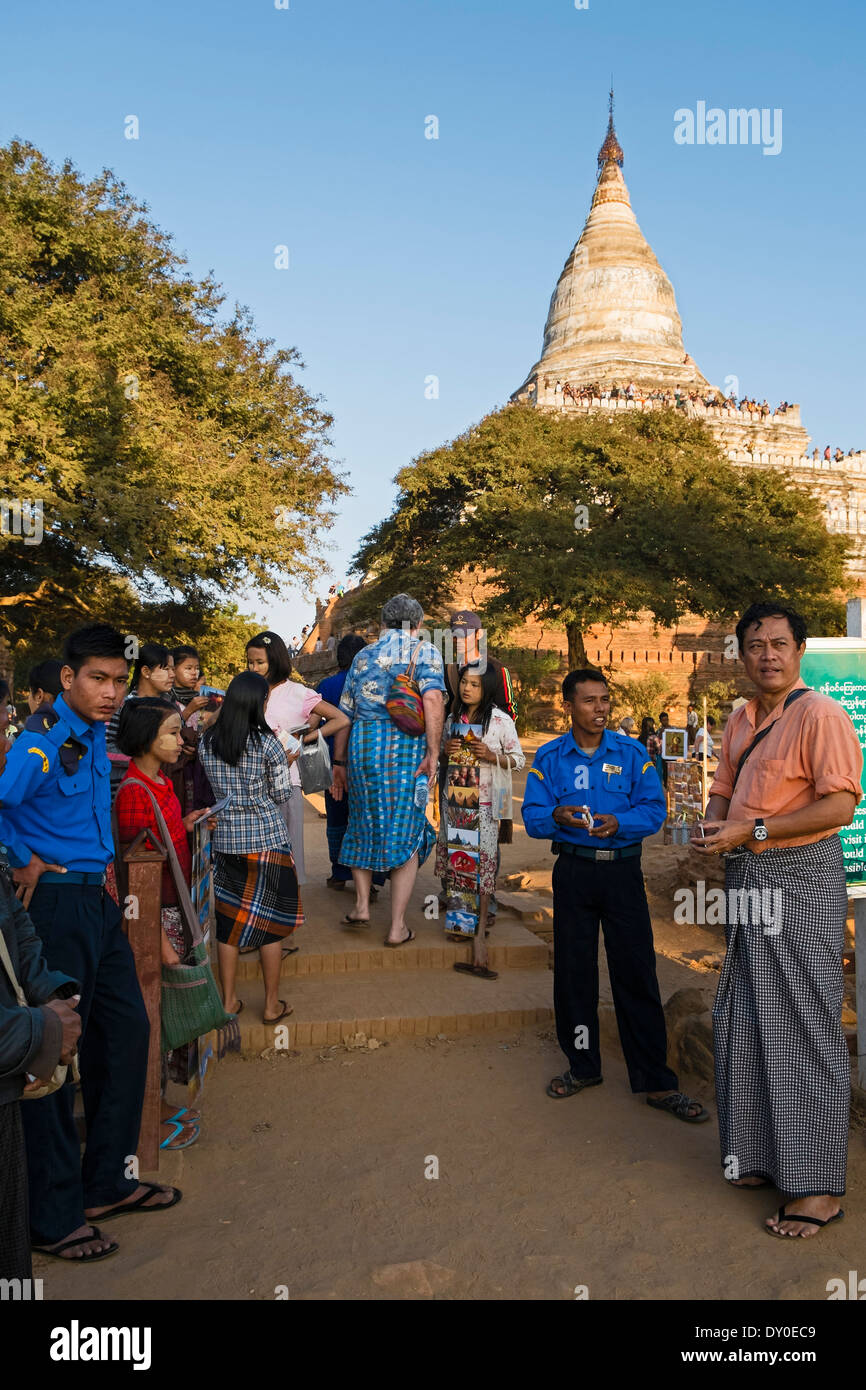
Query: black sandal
point(571, 1085)
point(57, 1252)
point(140, 1203)
point(679, 1104)
point(811, 1220)
point(480, 971)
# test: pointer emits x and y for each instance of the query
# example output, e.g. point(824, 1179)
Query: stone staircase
point(343, 981)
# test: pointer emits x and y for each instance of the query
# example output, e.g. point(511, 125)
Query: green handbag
point(191, 1004)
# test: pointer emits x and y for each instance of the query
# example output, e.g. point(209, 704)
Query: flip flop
point(287, 1009)
point(56, 1253)
point(140, 1203)
point(356, 921)
point(392, 945)
point(290, 951)
point(177, 1131)
point(811, 1220)
point(480, 971)
point(193, 1117)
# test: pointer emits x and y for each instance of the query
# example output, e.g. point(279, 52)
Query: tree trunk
point(577, 656)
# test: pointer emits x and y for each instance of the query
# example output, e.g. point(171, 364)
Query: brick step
point(333, 949)
point(389, 1004)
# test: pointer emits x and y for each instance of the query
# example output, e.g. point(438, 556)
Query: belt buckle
point(605, 854)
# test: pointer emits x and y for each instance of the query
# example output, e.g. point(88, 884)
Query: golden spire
point(611, 148)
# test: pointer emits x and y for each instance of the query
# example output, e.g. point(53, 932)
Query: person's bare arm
point(341, 743)
point(836, 808)
point(335, 720)
point(434, 718)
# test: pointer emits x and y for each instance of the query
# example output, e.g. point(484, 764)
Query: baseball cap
point(464, 620)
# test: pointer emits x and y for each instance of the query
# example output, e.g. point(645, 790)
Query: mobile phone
point(210, 690)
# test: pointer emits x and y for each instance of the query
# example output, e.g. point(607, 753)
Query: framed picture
point(675, 744)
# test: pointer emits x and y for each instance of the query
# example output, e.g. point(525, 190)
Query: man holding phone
point(595, 776)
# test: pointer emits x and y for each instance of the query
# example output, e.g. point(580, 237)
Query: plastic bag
point(314, 766)
point(501, 791)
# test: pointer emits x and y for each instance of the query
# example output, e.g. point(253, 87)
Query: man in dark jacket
point(33, 1039)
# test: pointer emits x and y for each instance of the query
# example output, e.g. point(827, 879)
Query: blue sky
point(412, 257)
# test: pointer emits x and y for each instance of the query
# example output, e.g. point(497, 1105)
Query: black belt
point(599, 855)
point(74, 876)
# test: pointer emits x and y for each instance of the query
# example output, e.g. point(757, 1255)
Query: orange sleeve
point(832, 754)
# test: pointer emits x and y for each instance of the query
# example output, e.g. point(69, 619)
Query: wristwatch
point(760, 831)
point(339, 762)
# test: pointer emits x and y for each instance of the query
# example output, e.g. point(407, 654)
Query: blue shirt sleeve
point(429, 670)
point(29, 765)
point(649, 807)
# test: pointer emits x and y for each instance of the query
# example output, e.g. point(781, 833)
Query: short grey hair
point(402, 609)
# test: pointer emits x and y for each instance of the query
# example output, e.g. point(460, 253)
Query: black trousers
point(82, 936)
point(14, 1233)
point(586, 893)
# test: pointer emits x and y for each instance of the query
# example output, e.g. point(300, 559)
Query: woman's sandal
point(356, 921)
point(287, 1009)
point(177, 1130)
point(480, 971)
point(570, 1085)
point(57, 1252)
point(810, 1220)
point(392, 945)
point(680, 1105)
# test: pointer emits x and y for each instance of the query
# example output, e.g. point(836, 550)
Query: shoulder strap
point(410, 669)
point(762, 733)
point(13, 979)
point(180, 884)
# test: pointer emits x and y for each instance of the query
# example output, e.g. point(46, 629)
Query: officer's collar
point(606, 736)
point(78, 725)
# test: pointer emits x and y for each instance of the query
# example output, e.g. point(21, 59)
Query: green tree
point(175, 457)
point(640, 696)
point(584, 520)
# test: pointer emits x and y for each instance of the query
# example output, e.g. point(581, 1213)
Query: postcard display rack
point(685, 795)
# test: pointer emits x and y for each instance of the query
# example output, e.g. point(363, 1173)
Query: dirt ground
point(314, 1178)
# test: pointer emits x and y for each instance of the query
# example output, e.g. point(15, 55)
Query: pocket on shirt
point(767, 774)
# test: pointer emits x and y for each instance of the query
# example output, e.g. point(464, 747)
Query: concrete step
point(389, 1004)
point(332, 949)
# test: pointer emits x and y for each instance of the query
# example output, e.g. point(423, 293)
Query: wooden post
point(144, 860)
point(705, 778)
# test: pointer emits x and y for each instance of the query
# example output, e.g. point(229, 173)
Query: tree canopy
point(175, 457)
point(586, 520)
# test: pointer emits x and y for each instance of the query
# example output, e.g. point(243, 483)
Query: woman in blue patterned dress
point(387, 830)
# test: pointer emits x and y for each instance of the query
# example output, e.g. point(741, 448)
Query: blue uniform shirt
point(619, 779)
point(63, 817)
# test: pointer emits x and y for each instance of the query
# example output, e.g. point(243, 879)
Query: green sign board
point(836, 666)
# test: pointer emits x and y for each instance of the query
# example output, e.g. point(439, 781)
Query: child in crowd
point(187, 680)
point(149, 735)
point(44, 682)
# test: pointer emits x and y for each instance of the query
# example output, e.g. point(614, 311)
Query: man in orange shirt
point(788, 779)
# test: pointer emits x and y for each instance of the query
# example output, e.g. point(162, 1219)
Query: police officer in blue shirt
point(55, 822)
point(595, 775)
